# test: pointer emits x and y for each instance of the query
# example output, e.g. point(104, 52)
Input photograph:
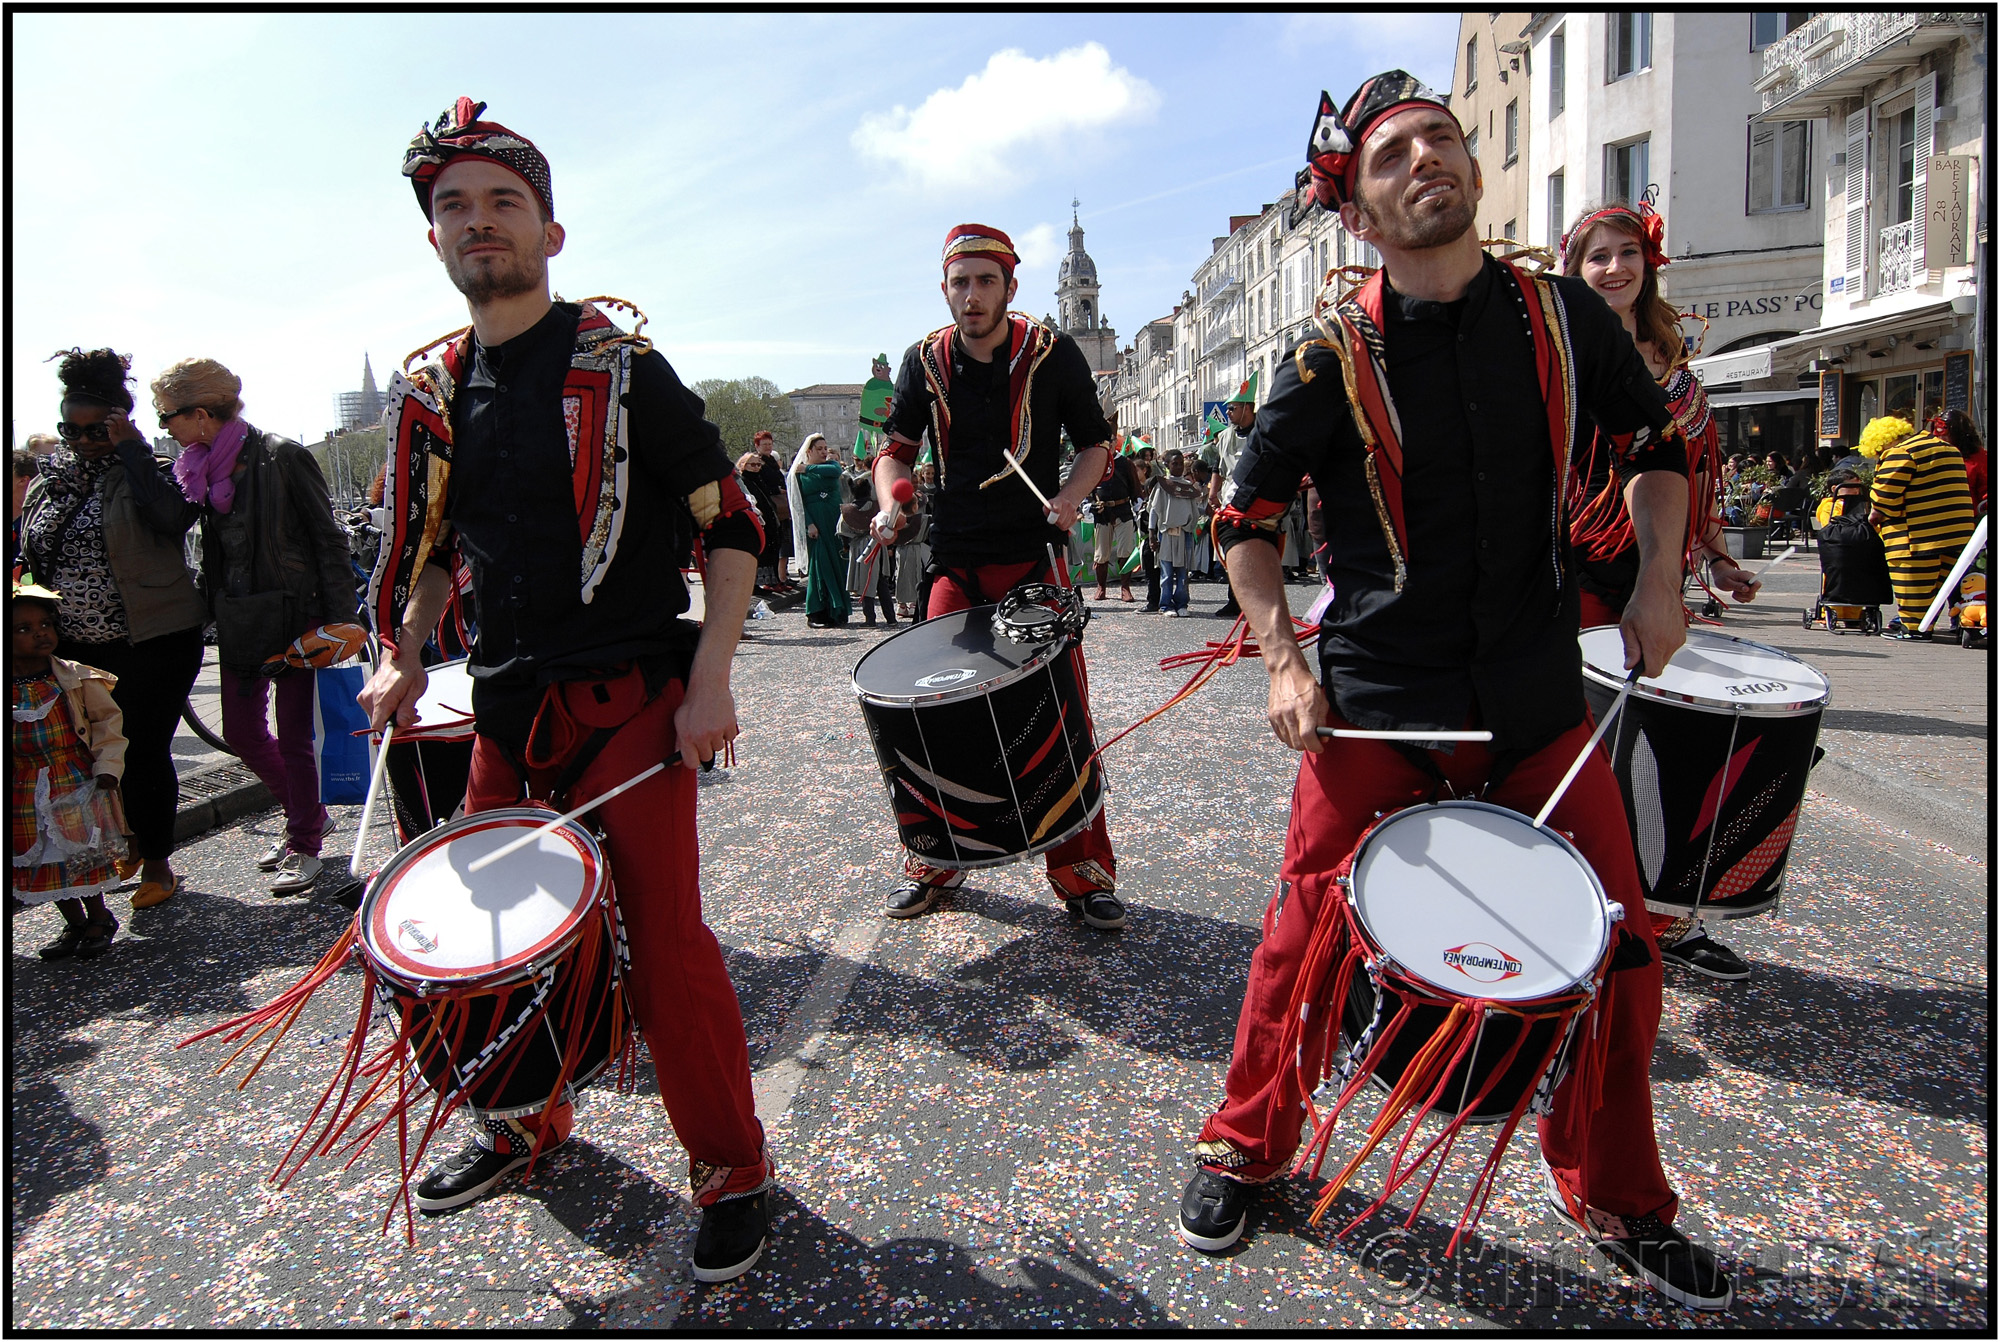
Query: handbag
point(345, 761)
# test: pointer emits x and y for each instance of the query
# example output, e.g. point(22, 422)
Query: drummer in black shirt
point(996, 384)
point(563, 460)
point(1455, 609)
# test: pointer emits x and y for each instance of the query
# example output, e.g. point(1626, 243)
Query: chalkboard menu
point(1829, 403)
point(1958, 382)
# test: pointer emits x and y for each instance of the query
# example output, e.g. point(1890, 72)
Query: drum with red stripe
point(985, 743)
point(1713, 758)
point(506, 978)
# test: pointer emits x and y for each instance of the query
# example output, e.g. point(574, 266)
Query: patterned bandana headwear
point(1652, 232)
point(979, 240)
point(460, 132)
point(1333, 153)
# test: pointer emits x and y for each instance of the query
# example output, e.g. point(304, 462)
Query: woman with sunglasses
point(278, 574)
point(105, 525)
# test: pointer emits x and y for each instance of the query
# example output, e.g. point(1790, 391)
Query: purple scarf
point(203, 470)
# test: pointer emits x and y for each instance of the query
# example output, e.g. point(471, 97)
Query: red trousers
point(680, 990)
point(1067, 861)
point(1336, 798)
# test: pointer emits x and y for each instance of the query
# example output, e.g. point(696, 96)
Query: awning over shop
point(1722, 400)
point(1761, 361)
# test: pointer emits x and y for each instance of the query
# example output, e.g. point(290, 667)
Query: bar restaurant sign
point(1948, 180)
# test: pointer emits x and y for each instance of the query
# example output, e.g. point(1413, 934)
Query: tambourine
point(1041, 612)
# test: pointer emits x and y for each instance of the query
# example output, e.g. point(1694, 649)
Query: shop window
point(1899, 396)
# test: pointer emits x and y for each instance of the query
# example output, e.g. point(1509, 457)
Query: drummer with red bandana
point(1436, 419)
point(561, 459)
point(991, 385)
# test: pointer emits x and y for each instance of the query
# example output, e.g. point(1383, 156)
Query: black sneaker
point(1902, 634)
point(1099, 908)
point(1214, 1210)
point(912, 899)
point(1650, 1249)
point(1705, 956)
point(465, 1177)
point(732, 1238)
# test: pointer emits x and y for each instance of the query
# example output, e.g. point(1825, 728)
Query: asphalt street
point(983, 1118)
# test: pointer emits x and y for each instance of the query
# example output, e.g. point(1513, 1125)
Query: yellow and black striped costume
point(1926, 505)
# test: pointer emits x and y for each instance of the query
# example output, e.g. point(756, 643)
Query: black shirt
point(1485, 626)
point(1003, 523)
point(512, 507)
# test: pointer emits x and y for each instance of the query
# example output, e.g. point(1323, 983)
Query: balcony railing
point(1896, 259)
point(1221, 280)
point(1223, 331)
point(1831, 43)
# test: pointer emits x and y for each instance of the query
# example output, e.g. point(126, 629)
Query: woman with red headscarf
point(1618, 251)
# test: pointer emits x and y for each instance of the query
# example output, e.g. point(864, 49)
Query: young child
point(67, 733)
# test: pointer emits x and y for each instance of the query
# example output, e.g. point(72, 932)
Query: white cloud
point(984, 132)
point(1039, 247)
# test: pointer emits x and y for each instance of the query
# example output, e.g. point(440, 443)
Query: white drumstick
point(516, 845)
point(374, 791)
point(1035, 489)
point(1958, 572)
point(1360, 735)
point(1757, 573)
point(1576, 766)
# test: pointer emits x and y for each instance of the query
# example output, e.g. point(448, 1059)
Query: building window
point(1558, 70)
point(1903, 146)
point(1625, 171)
point(1777, 166)
point(1471, 64)
point(1555, 210)
point(1768, 28)
point(1513, 140)
point(1508, 231)
point(1472, 144)
point(1628, 47)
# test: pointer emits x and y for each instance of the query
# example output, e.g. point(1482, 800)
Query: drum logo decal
point(1482, 963)
point(937, 680)
point(411, 936)
point(1748, 687)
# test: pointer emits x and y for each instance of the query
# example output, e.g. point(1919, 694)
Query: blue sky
point(772, 189)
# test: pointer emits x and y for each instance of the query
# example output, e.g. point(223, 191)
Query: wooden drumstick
point(516, 845)
point(1357, 733)
point(374, 791)
point(1576, 766)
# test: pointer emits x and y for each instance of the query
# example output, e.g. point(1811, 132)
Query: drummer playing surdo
point(1456, 608)
point(995, 382)
point(584, 674)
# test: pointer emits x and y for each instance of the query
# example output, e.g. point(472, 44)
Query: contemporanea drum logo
point(938, 680)
point(412, 936)
point(1482, 963)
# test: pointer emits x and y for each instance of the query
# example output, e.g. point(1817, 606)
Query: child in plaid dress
point(68, 754)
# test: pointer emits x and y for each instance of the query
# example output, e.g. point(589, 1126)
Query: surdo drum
point(1713, 759)
point(984, 742)
point(505, 978)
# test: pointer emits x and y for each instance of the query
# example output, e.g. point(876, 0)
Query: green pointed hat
point(1247, 393)
point(1215, 424)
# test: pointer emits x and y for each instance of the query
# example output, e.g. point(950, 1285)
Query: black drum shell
point(1681, 866)
point(1020, 739)
point(1426, 1017)
point(495, 1092)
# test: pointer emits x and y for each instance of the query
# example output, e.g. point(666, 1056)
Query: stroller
point(1968, 611)
point(1853, 567)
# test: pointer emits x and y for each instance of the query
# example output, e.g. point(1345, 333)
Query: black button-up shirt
point(1485, 626)
point(1003, 523)
point(512, 507)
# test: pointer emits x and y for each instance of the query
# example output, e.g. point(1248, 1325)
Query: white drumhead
point(428, 917)
point(1711, 670)
point(445, 710)
point(1473, 899)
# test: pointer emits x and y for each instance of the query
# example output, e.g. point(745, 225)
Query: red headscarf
point(980, 240)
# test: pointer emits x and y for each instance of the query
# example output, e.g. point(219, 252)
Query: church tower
point(1078, 311)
